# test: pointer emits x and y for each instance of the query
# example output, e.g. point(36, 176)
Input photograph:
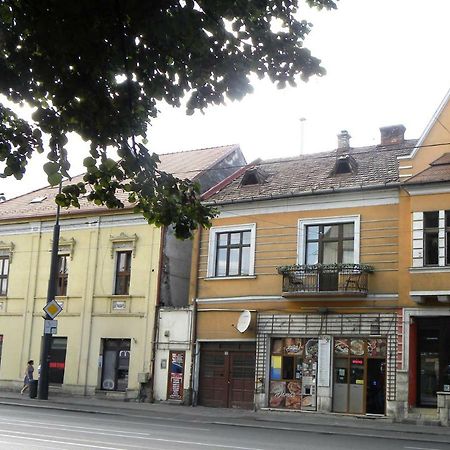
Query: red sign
point(358, 361)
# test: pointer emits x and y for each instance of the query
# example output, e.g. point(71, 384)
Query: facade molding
point(311, 203)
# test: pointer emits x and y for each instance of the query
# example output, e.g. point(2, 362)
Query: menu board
point(323, 376)
point(176, 370)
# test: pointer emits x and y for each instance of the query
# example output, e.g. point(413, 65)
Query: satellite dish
point(244, 321)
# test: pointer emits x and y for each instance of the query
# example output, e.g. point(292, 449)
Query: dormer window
point(344, 164)
point(253, 176)
point(38, 199)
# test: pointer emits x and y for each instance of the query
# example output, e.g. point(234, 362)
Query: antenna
point(302, 134)
point(244, 321)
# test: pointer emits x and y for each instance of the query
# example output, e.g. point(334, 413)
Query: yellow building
point(110, 283)
point(303, 283)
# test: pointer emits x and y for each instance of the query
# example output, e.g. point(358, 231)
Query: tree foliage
point(99, 67)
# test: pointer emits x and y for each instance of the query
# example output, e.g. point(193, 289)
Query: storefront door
point(433, 359)
point(115, 363)
point(227, 375)
point(57, 362)
point(359, 375)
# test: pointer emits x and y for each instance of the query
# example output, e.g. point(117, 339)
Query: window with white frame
point(431, 238)
point(232, 251)
point(4, 272)
point(330, 240)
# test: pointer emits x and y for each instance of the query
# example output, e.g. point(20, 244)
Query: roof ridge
point(197, 149)
point(352, 151)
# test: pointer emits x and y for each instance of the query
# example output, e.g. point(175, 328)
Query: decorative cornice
point(7, 249)
point(65, 246)
point(123, 241)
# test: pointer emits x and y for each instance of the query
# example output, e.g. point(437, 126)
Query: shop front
point(359, 375)
point(429, 358)
point(342, 363)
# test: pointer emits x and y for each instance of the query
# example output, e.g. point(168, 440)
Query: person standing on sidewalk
point(28, 376)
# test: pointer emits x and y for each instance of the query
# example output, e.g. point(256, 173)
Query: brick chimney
point(391, 135)
point(343, 140)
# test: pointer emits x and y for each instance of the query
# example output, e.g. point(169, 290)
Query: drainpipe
point(193, 343)
point(156, 316)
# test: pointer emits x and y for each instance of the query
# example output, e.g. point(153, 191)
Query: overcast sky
point(387, 63)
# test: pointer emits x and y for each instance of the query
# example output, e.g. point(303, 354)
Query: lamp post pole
point(51, 293)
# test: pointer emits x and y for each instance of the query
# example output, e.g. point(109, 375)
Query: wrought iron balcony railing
point(325, 279)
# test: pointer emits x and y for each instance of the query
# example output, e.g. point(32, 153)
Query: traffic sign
point(52, 308)
point(50, 327)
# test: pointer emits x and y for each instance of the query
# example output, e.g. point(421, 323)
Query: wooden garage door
point(227, 375)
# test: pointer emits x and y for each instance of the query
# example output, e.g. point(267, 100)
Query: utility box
point(143, 377)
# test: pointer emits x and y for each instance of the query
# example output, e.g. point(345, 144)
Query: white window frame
point(212, 247)
point(303, 223)
point(418, 241)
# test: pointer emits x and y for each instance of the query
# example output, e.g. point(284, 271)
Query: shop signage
point(176, 370)
point(359, 362)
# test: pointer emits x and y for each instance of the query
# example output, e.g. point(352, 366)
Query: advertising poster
point(176, 370)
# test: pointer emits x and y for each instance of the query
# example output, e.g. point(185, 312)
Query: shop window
point(431, 238)
point(293, 373)
point(4, 272)
point(231, 251)
point(62, 275)
point(123, 273)
point(115, 364)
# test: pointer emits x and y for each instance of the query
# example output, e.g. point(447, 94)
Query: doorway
point(227, 375)
point(433, 359)
point(115, 364)
point(359, 376)
point(57, 358)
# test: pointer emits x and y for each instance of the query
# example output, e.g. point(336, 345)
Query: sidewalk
point(333, 423)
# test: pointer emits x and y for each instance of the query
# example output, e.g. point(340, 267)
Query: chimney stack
point(343, 140)
point(393, 134)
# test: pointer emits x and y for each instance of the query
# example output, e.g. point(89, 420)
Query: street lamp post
point(51, 293)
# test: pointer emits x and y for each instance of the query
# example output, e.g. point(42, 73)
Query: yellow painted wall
point(88, 316)
point(276, 245)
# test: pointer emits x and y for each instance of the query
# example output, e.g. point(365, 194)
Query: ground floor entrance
point(227, 374)
point(359, 375)
point(432, 358)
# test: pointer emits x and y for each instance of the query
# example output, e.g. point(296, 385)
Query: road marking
point(53, 441)
point(19, 435)
point(37, 423)
point(422, 448)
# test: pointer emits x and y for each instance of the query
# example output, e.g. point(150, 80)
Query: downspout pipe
point(193, 343)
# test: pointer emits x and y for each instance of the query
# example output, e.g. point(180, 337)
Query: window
point(4, 270)
point(231, 251)
point(115, 364)
point(123, 273)
point(447, 238)
point(62, 276)
point(431, 238)
point(330, 244)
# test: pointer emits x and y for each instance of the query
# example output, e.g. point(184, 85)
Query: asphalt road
point(23, 427)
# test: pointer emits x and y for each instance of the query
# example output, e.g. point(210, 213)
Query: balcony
point(325, 280)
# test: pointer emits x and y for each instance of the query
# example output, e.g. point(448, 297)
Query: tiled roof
point(375, 166)
point(188, 164)
point(438, 171)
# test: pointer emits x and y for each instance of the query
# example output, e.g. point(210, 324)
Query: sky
point(387, 63)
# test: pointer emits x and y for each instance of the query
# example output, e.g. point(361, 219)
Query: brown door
point(227, 375)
